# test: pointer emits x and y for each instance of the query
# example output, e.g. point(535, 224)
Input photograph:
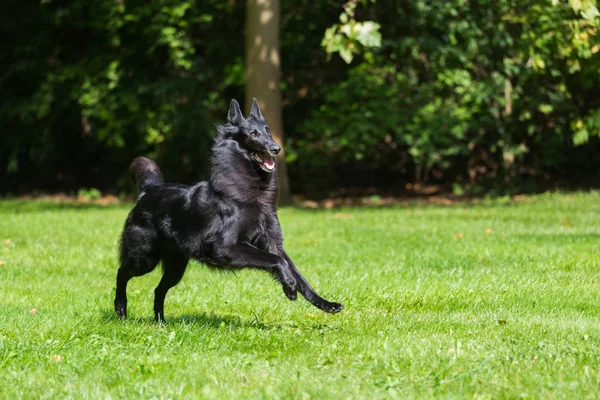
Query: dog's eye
point(253, 134)
point(268, 130)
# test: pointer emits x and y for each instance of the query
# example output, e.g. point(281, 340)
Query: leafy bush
point(480, 93)
point(472, 90)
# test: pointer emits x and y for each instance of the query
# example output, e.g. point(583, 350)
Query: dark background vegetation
point(473, 95)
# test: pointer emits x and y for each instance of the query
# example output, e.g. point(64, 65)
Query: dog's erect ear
point(234, 115)
point(255, 110)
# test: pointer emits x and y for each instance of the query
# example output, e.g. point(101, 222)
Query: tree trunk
point(263, 72)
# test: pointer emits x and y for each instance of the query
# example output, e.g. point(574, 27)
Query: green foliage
point(475, 93)
point(498, 300)
point(498, 88)
point(350, 36)
point(98, 83)
point(89, 193)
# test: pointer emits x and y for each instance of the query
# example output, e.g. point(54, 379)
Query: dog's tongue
point(269, 163)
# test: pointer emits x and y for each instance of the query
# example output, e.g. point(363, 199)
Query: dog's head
point(253, 135)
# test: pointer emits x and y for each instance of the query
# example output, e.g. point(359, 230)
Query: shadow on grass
point(208, 320)
point(558, 238)
point(30, 206)
point(63, 202)
point(439, 200)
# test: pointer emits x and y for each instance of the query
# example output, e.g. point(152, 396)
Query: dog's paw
point(290, 292)
point(121, 311)
point(159, 318)
point(332, 307)
point(290, 287)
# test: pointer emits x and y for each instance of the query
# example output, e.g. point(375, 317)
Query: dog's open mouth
point(267, 163)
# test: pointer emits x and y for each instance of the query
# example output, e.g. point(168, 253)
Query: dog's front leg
point(242, 255)
point(307, 291)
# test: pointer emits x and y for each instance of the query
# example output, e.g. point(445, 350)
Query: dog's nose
point(275, 149)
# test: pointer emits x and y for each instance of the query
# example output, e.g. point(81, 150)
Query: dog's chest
point(255, 224)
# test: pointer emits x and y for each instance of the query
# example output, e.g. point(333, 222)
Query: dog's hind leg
point(308, 292)
point(123, 277)
point(174, 265)
point(139, 255)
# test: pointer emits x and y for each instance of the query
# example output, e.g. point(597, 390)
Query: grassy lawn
point(497, 300)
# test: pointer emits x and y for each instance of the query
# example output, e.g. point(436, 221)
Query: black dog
point(229, 222)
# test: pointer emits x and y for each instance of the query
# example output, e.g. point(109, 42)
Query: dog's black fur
point(229, 222)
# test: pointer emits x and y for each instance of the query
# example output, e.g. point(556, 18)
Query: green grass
point(498, 300)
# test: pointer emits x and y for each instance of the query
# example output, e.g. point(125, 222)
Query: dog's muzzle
point(267, 163)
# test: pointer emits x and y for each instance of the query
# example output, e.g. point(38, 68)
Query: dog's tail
point(146, 174)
